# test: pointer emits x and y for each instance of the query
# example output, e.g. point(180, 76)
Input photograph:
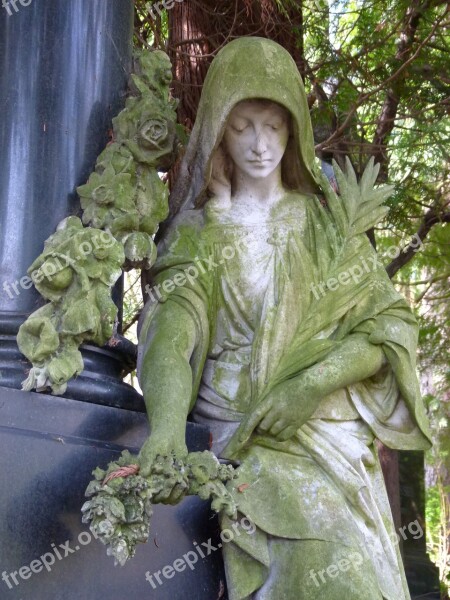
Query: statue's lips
point(259, 163)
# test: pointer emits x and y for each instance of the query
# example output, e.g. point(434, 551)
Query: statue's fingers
point(145, 464)
point(247, 426)
point(176, 495)
point(277, 427)
point(287, 433)
point(269, 421)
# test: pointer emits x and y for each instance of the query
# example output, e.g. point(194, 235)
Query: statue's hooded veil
point(247, 68)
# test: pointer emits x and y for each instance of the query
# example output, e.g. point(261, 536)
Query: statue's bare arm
point(166, 381)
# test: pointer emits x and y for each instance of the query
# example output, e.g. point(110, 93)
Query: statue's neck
point(251, 192)
point(249, 209)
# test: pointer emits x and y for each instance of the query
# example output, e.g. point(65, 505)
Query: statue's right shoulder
point(188, 220)
point(182, 234)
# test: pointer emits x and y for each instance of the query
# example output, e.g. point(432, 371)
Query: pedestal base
point(48, 448)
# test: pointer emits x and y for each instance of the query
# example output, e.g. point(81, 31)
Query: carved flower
point(37, 339)
point(117, 156)
point(152, 71)
point(140, 250)
point(165, 75)
point(81, 317)
point(154, 140)
point(53, 276)
point(103, 195)
point(104, 192)
point(66, 365)
point(95, 216)
point(151, 200)
point(154, 133)
point(95, 189)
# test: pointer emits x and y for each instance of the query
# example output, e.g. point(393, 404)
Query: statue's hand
point(220, 184)
point(163, 446)
point(283, 411)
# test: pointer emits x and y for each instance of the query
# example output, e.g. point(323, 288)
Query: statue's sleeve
point(390, 402)
point(177, 280)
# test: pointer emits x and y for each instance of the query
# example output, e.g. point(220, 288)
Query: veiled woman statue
point(272, 322)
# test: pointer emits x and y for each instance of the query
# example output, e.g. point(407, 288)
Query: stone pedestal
point(48, 448)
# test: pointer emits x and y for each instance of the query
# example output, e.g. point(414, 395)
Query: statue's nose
point(259, 145)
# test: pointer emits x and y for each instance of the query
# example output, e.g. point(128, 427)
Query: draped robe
point(249, 290)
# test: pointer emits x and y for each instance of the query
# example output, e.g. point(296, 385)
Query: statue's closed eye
point(238, 128)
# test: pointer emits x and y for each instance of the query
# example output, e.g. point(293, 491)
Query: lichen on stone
point(124, 201)
point(125, 195)
point(75, 272)
point(119, 508)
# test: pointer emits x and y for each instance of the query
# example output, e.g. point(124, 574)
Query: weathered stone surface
point(125, 194)
point(76, 272)
point(273, 322)
point(123, 201)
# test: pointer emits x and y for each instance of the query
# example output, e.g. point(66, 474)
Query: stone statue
point(271, 321)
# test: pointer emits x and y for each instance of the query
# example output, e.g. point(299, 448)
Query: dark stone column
point(63, 76)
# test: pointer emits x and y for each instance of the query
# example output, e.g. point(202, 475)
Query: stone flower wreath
point(119, 510)
point(124, 201)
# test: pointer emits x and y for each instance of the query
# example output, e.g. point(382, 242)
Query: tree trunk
point(199, 28)
point(390, 466)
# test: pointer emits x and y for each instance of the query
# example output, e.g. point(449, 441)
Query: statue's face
point(256, 137)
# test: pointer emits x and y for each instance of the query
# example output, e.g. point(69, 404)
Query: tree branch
point(424, 281)
point(393, 95)
point(431, 218)
point(399, 73)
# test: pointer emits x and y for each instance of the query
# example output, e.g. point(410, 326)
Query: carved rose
point(154, 134)
point(103, 195)
point(154, 141)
